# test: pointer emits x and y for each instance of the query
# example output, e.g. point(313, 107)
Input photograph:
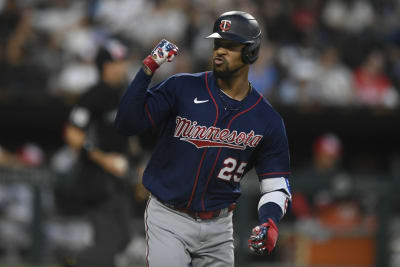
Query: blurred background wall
point(330, 67)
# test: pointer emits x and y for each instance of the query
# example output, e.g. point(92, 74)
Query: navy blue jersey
point(208, 141)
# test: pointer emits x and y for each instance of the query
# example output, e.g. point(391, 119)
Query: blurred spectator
point(297, 88)
point(15, 218)
point(31, 155)
point(352, 16)
point(325, 192)
point(278, 28)
point(8, 159)
point(341, 210)
point(18, 43)
point(299, 61)
point(79, 44)
point(75, 79)
point(264, 73)
point(303, 50)
point(54, 17)
point(305, 16)
point(102, 190)
point(314, 181)
point(28, 155)
point(57, 41)
point(131, 18)
point(372, 85)
point(332, 82)
point(16, 198)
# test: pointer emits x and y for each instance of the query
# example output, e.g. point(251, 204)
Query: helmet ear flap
point(250, 52)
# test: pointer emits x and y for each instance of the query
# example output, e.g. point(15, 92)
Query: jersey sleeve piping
point(149, 116)
point(244, 111)
point(205, 151)
point(274, 173)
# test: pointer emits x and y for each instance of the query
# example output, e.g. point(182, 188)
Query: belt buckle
point(196, 216)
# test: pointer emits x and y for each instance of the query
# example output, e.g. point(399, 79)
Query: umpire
point(101, 187)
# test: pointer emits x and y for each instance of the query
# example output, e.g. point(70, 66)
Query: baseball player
point(214, 127)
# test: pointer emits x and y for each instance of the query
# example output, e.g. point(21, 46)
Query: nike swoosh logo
point(199, 101)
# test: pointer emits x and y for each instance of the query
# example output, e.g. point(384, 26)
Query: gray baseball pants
point(174, 239)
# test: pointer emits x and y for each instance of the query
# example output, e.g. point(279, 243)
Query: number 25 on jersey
point(232, 169)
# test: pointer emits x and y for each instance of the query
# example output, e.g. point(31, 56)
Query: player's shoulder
point(185, 80)
point(199, 76)
point(266, 108)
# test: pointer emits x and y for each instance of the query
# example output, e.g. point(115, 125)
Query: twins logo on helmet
point(225, 25)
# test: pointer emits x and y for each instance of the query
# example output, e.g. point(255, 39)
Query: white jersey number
point(229, 170)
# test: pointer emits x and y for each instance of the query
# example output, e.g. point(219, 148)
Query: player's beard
point(224, 72)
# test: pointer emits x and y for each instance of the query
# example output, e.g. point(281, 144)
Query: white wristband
point(277, 197)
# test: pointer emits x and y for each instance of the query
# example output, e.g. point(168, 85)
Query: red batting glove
point(263, 238)
point(164, 51)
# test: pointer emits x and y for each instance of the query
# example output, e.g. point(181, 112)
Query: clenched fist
point(164, 51)
point(263, 238)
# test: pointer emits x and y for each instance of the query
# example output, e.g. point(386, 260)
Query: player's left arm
point(273, 169)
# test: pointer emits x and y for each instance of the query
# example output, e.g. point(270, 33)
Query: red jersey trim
point(207, 143)
point(148, 115)
point(274, 173)
point(244, 111)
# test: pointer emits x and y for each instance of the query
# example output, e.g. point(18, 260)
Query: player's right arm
point(273, 169)
point(140, 108)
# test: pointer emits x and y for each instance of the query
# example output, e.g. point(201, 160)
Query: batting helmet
point(240, 27)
